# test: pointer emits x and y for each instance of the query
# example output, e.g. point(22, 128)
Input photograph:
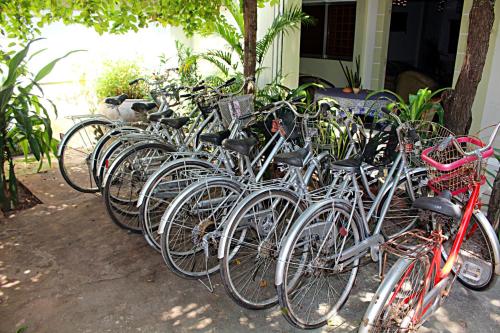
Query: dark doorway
point(423, 42)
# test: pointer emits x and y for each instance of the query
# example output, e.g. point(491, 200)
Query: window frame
point(326, 4)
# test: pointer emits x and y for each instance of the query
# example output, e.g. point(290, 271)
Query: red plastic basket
point(449, 169)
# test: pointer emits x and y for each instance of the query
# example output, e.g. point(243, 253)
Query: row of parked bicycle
point(286, 200)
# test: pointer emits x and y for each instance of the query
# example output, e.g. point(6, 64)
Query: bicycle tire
point(121, 210)
point(288, 290)
point(149, 222)
point(231, 262)
point(397, 279)
point(63, 151)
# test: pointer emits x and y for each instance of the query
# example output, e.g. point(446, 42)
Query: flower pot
point(347, 90)
point(356, 90)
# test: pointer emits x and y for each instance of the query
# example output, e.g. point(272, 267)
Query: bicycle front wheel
point(395, 306)
point(125, 179)
point(249, 263)
point(75, 150)
point(312, 279)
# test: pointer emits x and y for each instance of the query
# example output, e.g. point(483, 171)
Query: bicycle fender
point(384, 289)
point(231, 219)
point(303, 218)
point(168, 165)
point(490, 233)
point(165, 219)
point(74, 128)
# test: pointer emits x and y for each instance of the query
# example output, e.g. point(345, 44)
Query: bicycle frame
point(429, 302)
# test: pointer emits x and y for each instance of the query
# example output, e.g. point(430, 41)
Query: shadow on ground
point(64, 267)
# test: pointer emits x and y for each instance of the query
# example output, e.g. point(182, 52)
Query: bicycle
point(247, 265)
point(189, 242)
point(130, 169)
point(77, 146)
point(327, 242)
point(421, 279)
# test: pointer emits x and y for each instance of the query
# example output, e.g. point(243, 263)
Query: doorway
point(423, 42)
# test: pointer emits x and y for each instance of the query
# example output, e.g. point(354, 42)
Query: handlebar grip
point(266, 107)
point(131, 83)
point(296, 99)
point(385, 110)
point(230, 81)
point(412, 133)
point(198, 88)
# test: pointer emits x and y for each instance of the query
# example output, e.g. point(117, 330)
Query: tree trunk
point(458, 103)
point(494, 205)
point(250, 42)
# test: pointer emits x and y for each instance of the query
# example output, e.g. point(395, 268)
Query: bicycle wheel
point(476, 257)
point(394, 308)
point(125, 178)
point(311, 281)
point(401, 216)
point(193, 223)
point(248, 265)
point(75, 150)
point(159, 191)
point(108, 141)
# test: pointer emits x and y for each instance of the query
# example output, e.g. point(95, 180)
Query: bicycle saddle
point(350, 164)
point(215, 138)
point(175, 123)
point(241, 146)
point(441, 204)
point(294, 158)
point(143, 107)
point(156, 116)
point(116, 100)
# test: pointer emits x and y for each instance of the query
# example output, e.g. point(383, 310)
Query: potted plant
point(353, 77)
point(114, 81)
point(421, 106)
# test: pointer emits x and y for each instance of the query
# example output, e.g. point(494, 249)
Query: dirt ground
point(65, 267)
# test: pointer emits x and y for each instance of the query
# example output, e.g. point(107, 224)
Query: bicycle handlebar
point(487, 146)
point(135, 81)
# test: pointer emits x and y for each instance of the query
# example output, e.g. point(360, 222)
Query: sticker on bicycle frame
point(276, 126)
point(471, 271)
point(235, 109)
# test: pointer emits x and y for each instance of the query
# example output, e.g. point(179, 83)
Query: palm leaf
point(289, 20)
point(234, 7)
point(229, 33)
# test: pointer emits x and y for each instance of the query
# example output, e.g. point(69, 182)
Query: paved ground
point(64, 267)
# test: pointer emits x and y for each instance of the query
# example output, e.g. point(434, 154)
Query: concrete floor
point(65, 267)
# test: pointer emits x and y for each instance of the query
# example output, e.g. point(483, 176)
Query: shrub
point(115, 78)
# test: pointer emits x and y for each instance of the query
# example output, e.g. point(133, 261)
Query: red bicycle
point(422, 277)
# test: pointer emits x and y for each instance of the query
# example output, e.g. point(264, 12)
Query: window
point(332, 34)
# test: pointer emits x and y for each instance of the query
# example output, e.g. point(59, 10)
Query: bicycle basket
point(450, 169)
point(207, 104)
point(234, 107)
point(417, 135)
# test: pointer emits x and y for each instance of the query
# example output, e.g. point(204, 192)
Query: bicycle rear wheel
point(191, 235)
